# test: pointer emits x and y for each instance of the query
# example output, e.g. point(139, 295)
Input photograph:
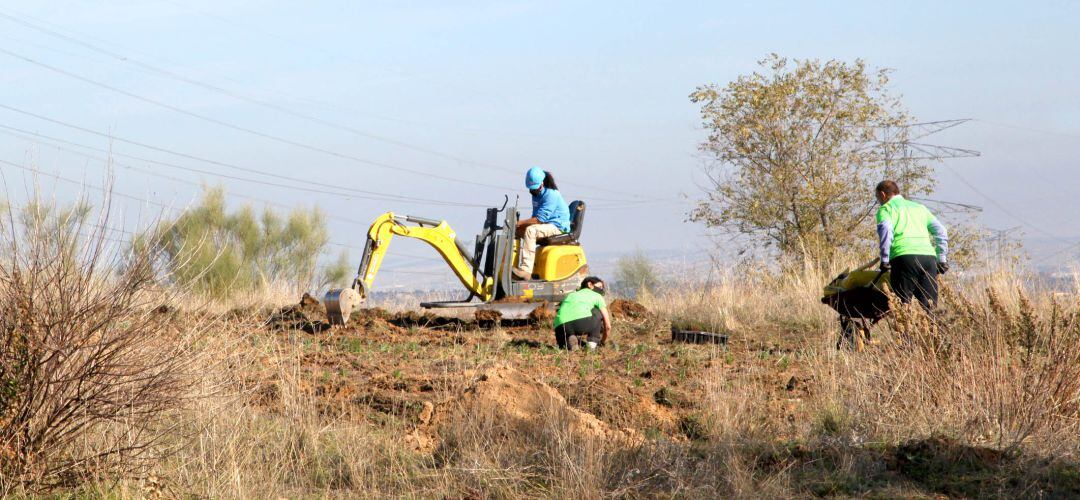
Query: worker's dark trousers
point(915, 276)
point(592, 328)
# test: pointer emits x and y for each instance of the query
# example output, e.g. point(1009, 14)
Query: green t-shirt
point(910, 223)
point(578, 305)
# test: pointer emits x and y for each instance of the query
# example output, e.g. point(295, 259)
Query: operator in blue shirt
point(550, 216)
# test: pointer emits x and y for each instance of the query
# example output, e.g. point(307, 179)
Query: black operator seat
point(577, 218)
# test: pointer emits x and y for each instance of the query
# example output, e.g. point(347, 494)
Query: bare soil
point(413, 374)
point(406, 369)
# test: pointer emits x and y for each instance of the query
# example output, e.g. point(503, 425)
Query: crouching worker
point(583, 316)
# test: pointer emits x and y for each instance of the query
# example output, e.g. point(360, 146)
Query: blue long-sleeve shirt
point(549, 207)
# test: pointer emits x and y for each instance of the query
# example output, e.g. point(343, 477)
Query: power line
point(1003, 209)
point(324, 104)
point(258, 102)
point(113, 192)
point(1044, 258)
point(251, 100)
point(373, 196)
point(223, 164)
point(370, 195)
point(1029, 129)
point(239, 128)
point(955, 206)
point(177, 179)
point(99, 188)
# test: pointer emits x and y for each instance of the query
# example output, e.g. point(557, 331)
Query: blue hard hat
point(534, 178)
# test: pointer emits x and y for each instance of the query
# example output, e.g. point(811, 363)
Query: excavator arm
point(340, 303)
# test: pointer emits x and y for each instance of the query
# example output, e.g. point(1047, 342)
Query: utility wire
point(98, 188)
point(1044, 258)
point(258, 102)
point(370, 195)
point(225, 164)
point(1003, 209)
point(240, 128)
point(113, 192)
point(1029, 129)
point(335, 107)
point(251, 100)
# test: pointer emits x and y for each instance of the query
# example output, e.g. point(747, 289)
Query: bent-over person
point(583, 317)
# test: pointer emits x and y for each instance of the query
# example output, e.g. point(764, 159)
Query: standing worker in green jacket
point(583, 313)
point(913, 243)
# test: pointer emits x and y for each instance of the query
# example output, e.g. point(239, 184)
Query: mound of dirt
point(622, 309)
point(369, 316)
point(611, 401)
point(487, 318)
point(543, 315)
point(523, 404)
point(306, 316)
point(309, 303)
point(413, 319)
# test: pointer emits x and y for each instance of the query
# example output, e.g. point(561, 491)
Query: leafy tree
point(337, 273)
point(798, 148)
point(64, 227)
point(216, 251)
point(635, 274)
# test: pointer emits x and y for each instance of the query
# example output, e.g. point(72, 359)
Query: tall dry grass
point(994, 369)
point(998, 369)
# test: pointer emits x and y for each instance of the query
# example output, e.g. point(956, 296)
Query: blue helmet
point(534, 178)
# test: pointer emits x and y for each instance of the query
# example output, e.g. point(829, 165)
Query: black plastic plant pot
point(698, 337)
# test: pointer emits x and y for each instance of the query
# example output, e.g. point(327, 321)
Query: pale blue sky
point(593, 91)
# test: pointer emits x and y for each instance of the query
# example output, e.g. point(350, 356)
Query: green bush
point(635, 274)
point(217, 252)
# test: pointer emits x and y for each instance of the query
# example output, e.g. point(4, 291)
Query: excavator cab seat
point(561, 256)
point(577, 217)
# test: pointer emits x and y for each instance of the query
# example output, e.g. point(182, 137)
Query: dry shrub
point(86, 354)
point(502, 451)
point(735, 407)
point(989, 371)
point(752, 296)
point(268, 437)
point(511, 436)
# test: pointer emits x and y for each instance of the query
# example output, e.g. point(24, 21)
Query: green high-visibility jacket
point(908, 228)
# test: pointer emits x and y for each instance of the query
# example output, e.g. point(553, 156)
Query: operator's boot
point(522, 275)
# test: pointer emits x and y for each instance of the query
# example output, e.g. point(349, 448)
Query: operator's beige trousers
point(527, 250)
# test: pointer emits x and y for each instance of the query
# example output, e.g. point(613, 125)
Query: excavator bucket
point(339, 305)
point(506, 310)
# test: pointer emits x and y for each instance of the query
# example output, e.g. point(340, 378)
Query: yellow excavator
point(484, 270)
